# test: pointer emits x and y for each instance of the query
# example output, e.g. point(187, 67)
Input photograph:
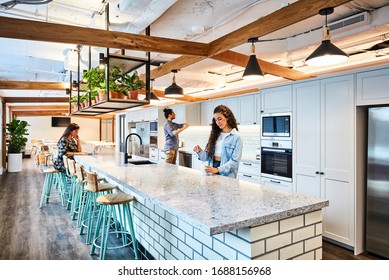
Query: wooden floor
point(30, 233)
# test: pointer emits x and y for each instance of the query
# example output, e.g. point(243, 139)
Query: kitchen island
point(181, 214)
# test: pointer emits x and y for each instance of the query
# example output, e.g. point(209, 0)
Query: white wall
point(40, 128)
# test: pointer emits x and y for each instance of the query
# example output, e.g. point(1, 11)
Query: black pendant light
point(153, 97)
point(253, 70)
point(327, 53)
point(174, 90)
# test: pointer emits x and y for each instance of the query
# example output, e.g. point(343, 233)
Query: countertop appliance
point(377, 200)
point(276, 160)
point(185, 159)
point(276, 126)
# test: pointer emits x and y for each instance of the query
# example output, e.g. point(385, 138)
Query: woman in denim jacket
point(224, 148)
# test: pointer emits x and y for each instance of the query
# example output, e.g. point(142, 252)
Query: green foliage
point(17, 131)
point(95, 81)
point(133, 82)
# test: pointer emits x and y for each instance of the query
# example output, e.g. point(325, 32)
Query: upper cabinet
point(246, 109)
point(276, 100)
point(187, 113)
point(370, 89)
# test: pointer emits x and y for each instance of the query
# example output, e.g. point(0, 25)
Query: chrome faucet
point(126, 156)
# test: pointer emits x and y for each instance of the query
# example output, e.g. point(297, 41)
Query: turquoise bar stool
point(75, 188)
point(88, 206)
point(51, 179)
point(113, 206)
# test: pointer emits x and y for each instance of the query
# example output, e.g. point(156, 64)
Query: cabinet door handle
point(317, 172)
point(246, 175)
point(277, 182)
point(321, 173)
point(245, 163)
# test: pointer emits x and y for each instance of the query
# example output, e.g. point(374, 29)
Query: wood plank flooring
point(30, 233)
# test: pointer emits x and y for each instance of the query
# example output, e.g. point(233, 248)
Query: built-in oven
point(154, 134)
point(276, 126)
point(276, 160)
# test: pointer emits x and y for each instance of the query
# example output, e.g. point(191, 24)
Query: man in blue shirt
point(171, 130)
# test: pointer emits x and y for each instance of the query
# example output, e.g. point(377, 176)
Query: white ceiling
point(194, 20)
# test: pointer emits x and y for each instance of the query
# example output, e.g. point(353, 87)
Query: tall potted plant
point(17, 130)
point(133, 83)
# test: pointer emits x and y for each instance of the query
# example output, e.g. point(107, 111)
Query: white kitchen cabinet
point(247, 110)
point(249, 171)
point(370, 89)
point(161, 156)
point(277, 184)
point(187, 113)
point(153, 154)
point(207, 108)
point(276, 100)
point(323, 150)
point(152, 114)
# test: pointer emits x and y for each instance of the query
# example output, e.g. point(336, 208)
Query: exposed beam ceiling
point(49, 32)
point(35, 99)
point(33, 113)
point(17, 85)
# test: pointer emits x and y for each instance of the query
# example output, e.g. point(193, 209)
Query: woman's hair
point(167, 112)
point(215, 131)
point(69, 129)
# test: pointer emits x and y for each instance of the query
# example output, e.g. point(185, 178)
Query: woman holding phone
point(69, 144)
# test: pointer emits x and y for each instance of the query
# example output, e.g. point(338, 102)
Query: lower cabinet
point(153, 154)
point(277, 184)
point(249, 171)
point(323, 148)
point(161, 156)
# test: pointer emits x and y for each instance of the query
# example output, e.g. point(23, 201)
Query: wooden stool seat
point(115, 198)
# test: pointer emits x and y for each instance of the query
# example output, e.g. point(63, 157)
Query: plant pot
point(75, 107)
point(134, 94)
point(93, 101)
point(113, 94)
point(14, 162)
point(85, 104)
point(102, 95)
point(120, 95)
point(97, 99)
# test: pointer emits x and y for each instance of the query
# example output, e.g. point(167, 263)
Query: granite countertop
point(212, 204)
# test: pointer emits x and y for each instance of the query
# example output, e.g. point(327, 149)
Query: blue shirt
point(171, 137)
point(231, 155)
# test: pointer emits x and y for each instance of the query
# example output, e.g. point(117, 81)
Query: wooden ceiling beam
point(59, 33)
point(23, 85)
point(40, 108)
point(239, 59)
point(34, 113)
point(284, 17)
point(35, 99)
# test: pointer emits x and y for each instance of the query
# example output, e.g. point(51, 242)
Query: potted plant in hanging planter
point(95, 82)
point(17, 130)
point(133, 83)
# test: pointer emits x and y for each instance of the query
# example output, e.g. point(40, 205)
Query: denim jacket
point(230, 157)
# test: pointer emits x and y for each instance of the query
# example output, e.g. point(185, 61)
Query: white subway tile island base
point(181, 214)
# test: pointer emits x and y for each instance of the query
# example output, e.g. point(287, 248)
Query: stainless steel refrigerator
point(143, 129)
point(377, 200)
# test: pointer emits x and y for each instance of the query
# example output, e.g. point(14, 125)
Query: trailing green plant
point(17, 131)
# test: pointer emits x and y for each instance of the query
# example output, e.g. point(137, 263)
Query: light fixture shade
point(174, 90)
point(326, 54)
point(252, 71)
point(153, 97)
point(102, 61)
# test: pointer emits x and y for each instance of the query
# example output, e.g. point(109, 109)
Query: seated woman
point(69, 144)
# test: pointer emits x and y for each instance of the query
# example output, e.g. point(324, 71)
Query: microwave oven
point(276, 125)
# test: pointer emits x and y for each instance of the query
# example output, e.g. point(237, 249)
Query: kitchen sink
point(141, 162)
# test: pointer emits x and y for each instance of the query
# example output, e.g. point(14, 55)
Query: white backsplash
point(198, 135)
